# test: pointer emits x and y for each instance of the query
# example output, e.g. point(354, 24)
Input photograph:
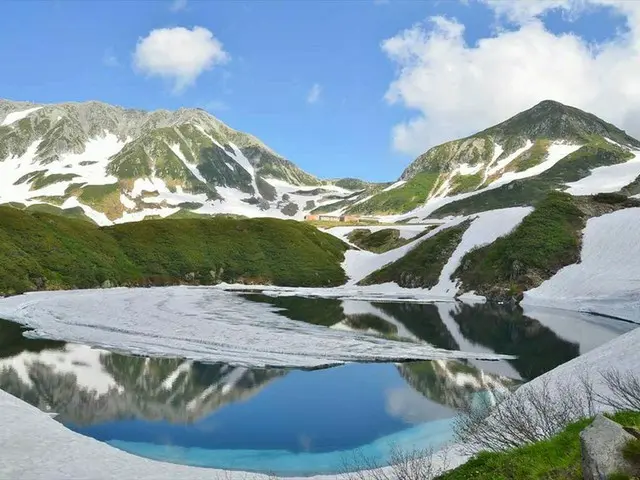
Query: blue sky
point(83, 50)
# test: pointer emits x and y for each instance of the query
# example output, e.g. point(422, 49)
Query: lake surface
point(289, 421)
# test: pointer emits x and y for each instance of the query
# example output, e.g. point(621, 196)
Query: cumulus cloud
point(178, 54)
point(457, 89)
point(314, 93)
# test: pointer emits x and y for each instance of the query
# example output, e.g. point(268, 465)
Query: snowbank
point(205, 324)
point(607, 179)
point(607, 280)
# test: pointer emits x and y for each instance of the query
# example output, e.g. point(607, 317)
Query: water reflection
point(286, 420)
point(539, 345)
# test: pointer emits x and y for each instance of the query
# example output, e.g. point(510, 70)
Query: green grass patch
point(55, 200)
point(466, 183)
point(104, 198)
point(531, 157)
point(42, 181)
point(421, 267)
point(377, 242)
point(40, 250)
point(401, 199)
point(546, 240)
point(74, 212)
point(558, 458)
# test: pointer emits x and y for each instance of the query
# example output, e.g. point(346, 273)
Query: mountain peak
point(552, 120)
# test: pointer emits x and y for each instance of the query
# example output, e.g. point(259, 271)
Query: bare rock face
point(602, 444)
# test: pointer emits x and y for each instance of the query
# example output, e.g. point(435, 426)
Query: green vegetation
point(531, 157)
point(41, 180)
point(380, 241)
point(421, 267)
point(546, 240)
point(55, 200)
point(466, 183)
point(104, 198)
point(73, 212)
point(44, 251)
point(558, 458)
point(401, 199)
point(353, 184)
point(529, 191)
point(631, 451)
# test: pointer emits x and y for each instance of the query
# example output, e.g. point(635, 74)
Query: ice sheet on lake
point(205, 324)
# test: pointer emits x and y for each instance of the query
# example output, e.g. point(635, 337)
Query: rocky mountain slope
point(551, 139)
point(118, 165)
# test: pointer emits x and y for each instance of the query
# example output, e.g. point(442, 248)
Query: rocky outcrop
point(602, 443)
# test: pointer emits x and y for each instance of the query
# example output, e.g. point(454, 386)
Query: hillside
point(41, 251)
point(534, 152)
point(120, 165)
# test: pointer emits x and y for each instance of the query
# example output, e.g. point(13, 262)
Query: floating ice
point(205, 324)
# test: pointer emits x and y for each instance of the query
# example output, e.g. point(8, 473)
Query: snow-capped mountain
point(525, 146)
point(123, 165)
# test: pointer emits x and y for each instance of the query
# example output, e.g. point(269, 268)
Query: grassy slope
point(401, 199)
point(421, 267)
point(382, 240)
point(556, 459)
point(547, 240)
point(531, 190)
point(39, 250)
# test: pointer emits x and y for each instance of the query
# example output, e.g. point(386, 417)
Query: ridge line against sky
point(343, 89)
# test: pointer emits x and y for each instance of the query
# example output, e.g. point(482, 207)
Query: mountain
point(523, 146)
point(114, 164)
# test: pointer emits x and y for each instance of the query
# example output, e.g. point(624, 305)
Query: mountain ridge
point(522, 146)
point(120, 164)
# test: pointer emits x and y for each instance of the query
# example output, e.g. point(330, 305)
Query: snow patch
point(395, 185)
point(608, 178)
point(510, 158)
point(17, 116)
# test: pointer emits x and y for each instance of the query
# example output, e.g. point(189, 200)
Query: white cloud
point(457, 89)
point(178, 54)
point(314, 93)
point(109, 58)
point(178, 5)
